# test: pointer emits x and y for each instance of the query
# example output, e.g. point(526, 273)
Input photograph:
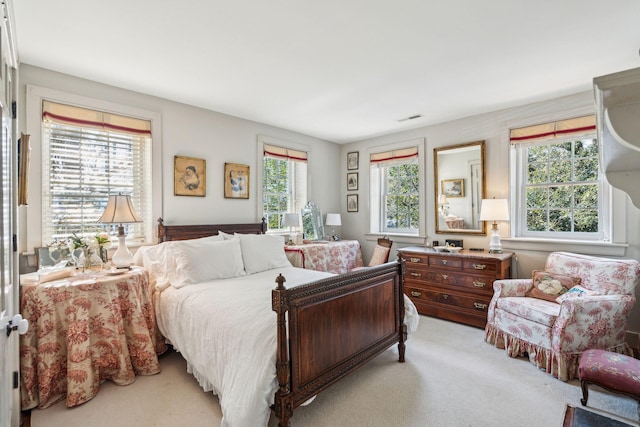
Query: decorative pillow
point(261, 252)
point(203, 260)
point(549, 286)
point(574, 293)
point(380, 255)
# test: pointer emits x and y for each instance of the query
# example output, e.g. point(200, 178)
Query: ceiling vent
point(415, 116)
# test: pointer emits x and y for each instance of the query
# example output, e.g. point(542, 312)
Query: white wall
point(187, 131)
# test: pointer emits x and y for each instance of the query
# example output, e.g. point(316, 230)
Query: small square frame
point(352, 203)
point(452, 187)
point(236, 181)
point(353, 159)
point(352, 181)
point(189, 176)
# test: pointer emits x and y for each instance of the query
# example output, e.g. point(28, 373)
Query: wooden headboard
point(184, 232)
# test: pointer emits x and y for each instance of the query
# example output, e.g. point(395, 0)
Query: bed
point(324, 326)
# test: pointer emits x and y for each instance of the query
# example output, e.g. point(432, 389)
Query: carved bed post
point(403, 327)
point(283, 399)
point(160, 230)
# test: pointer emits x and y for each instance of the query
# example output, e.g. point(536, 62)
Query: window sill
point(552, 245)
point(399, 238)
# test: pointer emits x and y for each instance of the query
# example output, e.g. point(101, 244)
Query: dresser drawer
point(480, 266)
point(447, 262)
point(416, 260)
point(465, 282)
point(470, 302)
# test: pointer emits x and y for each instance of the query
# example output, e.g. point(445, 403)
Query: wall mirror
point(312, 225)
point(459, 188)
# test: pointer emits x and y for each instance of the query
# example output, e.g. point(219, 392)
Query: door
point(9, 360)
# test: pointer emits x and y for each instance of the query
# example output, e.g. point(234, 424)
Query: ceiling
point(339, 70)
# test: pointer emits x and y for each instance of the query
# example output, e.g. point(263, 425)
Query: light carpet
point(451, 378)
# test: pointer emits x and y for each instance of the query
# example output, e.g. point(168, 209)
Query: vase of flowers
point(86, 253)
point(103, 242)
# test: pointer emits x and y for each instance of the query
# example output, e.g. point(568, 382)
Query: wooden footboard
point(335, 326)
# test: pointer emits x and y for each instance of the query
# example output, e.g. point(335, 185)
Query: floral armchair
point(554, 330)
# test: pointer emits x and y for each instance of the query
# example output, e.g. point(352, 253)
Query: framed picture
point(352, 203)
point(236, 181)
point(189, 176)
point(352, 181)
point(453, 187)
point(352, 160)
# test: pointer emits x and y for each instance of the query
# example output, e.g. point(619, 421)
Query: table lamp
point(120, 211)
point(333, 219)
point(290, 220)
point(494, 210)
point(444, 205)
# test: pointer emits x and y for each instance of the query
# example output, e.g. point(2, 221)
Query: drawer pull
point(444, 276)
point(416, 274)
point(445, 296)
point(416, 294)
point(479, 305)
point(479, 284)
point(415, 260)
point(444, 261)
point(479, 266)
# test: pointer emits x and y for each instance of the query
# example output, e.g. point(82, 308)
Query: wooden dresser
point(451, 286)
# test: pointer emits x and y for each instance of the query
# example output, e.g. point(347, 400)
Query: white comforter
point(226, 331)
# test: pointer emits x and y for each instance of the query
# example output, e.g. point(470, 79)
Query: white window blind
point(88, 155)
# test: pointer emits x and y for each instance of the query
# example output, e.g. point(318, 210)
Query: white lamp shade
point(442, 200)
point(290, 220)
point(494, 210)
point(119, 210)
point(333, 219)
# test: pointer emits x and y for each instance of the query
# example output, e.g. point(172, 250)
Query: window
point(560, 188)
point(395, 191)
point(284, 183)
point(88, 155)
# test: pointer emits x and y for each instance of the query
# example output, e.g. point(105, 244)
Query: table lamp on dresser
point(291, 220)
point(334, 220)
point(120, 211)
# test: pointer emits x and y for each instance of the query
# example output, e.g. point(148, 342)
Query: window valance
point(87, 118)
point(562, 128)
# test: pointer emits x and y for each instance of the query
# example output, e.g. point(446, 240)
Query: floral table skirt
point(83, 330)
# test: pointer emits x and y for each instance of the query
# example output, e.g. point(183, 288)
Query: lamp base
point(122, 258)
point(495, 246)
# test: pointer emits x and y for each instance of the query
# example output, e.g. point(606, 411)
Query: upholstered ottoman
point(612, 371)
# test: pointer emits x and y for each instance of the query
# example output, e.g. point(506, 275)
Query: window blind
point(563, 128)
point(82, 165)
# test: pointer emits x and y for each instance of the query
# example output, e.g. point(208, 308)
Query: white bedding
point(225, 329)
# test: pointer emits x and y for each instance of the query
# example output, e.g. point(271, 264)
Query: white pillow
point(201, 260)
point(262, 252)
point(215, 238)
point(226, 236)
point(158, 261)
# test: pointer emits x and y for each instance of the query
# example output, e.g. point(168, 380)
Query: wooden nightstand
point(451, 286)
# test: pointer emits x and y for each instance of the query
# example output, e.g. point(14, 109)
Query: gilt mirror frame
point(461, 212)
point(312, 225)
